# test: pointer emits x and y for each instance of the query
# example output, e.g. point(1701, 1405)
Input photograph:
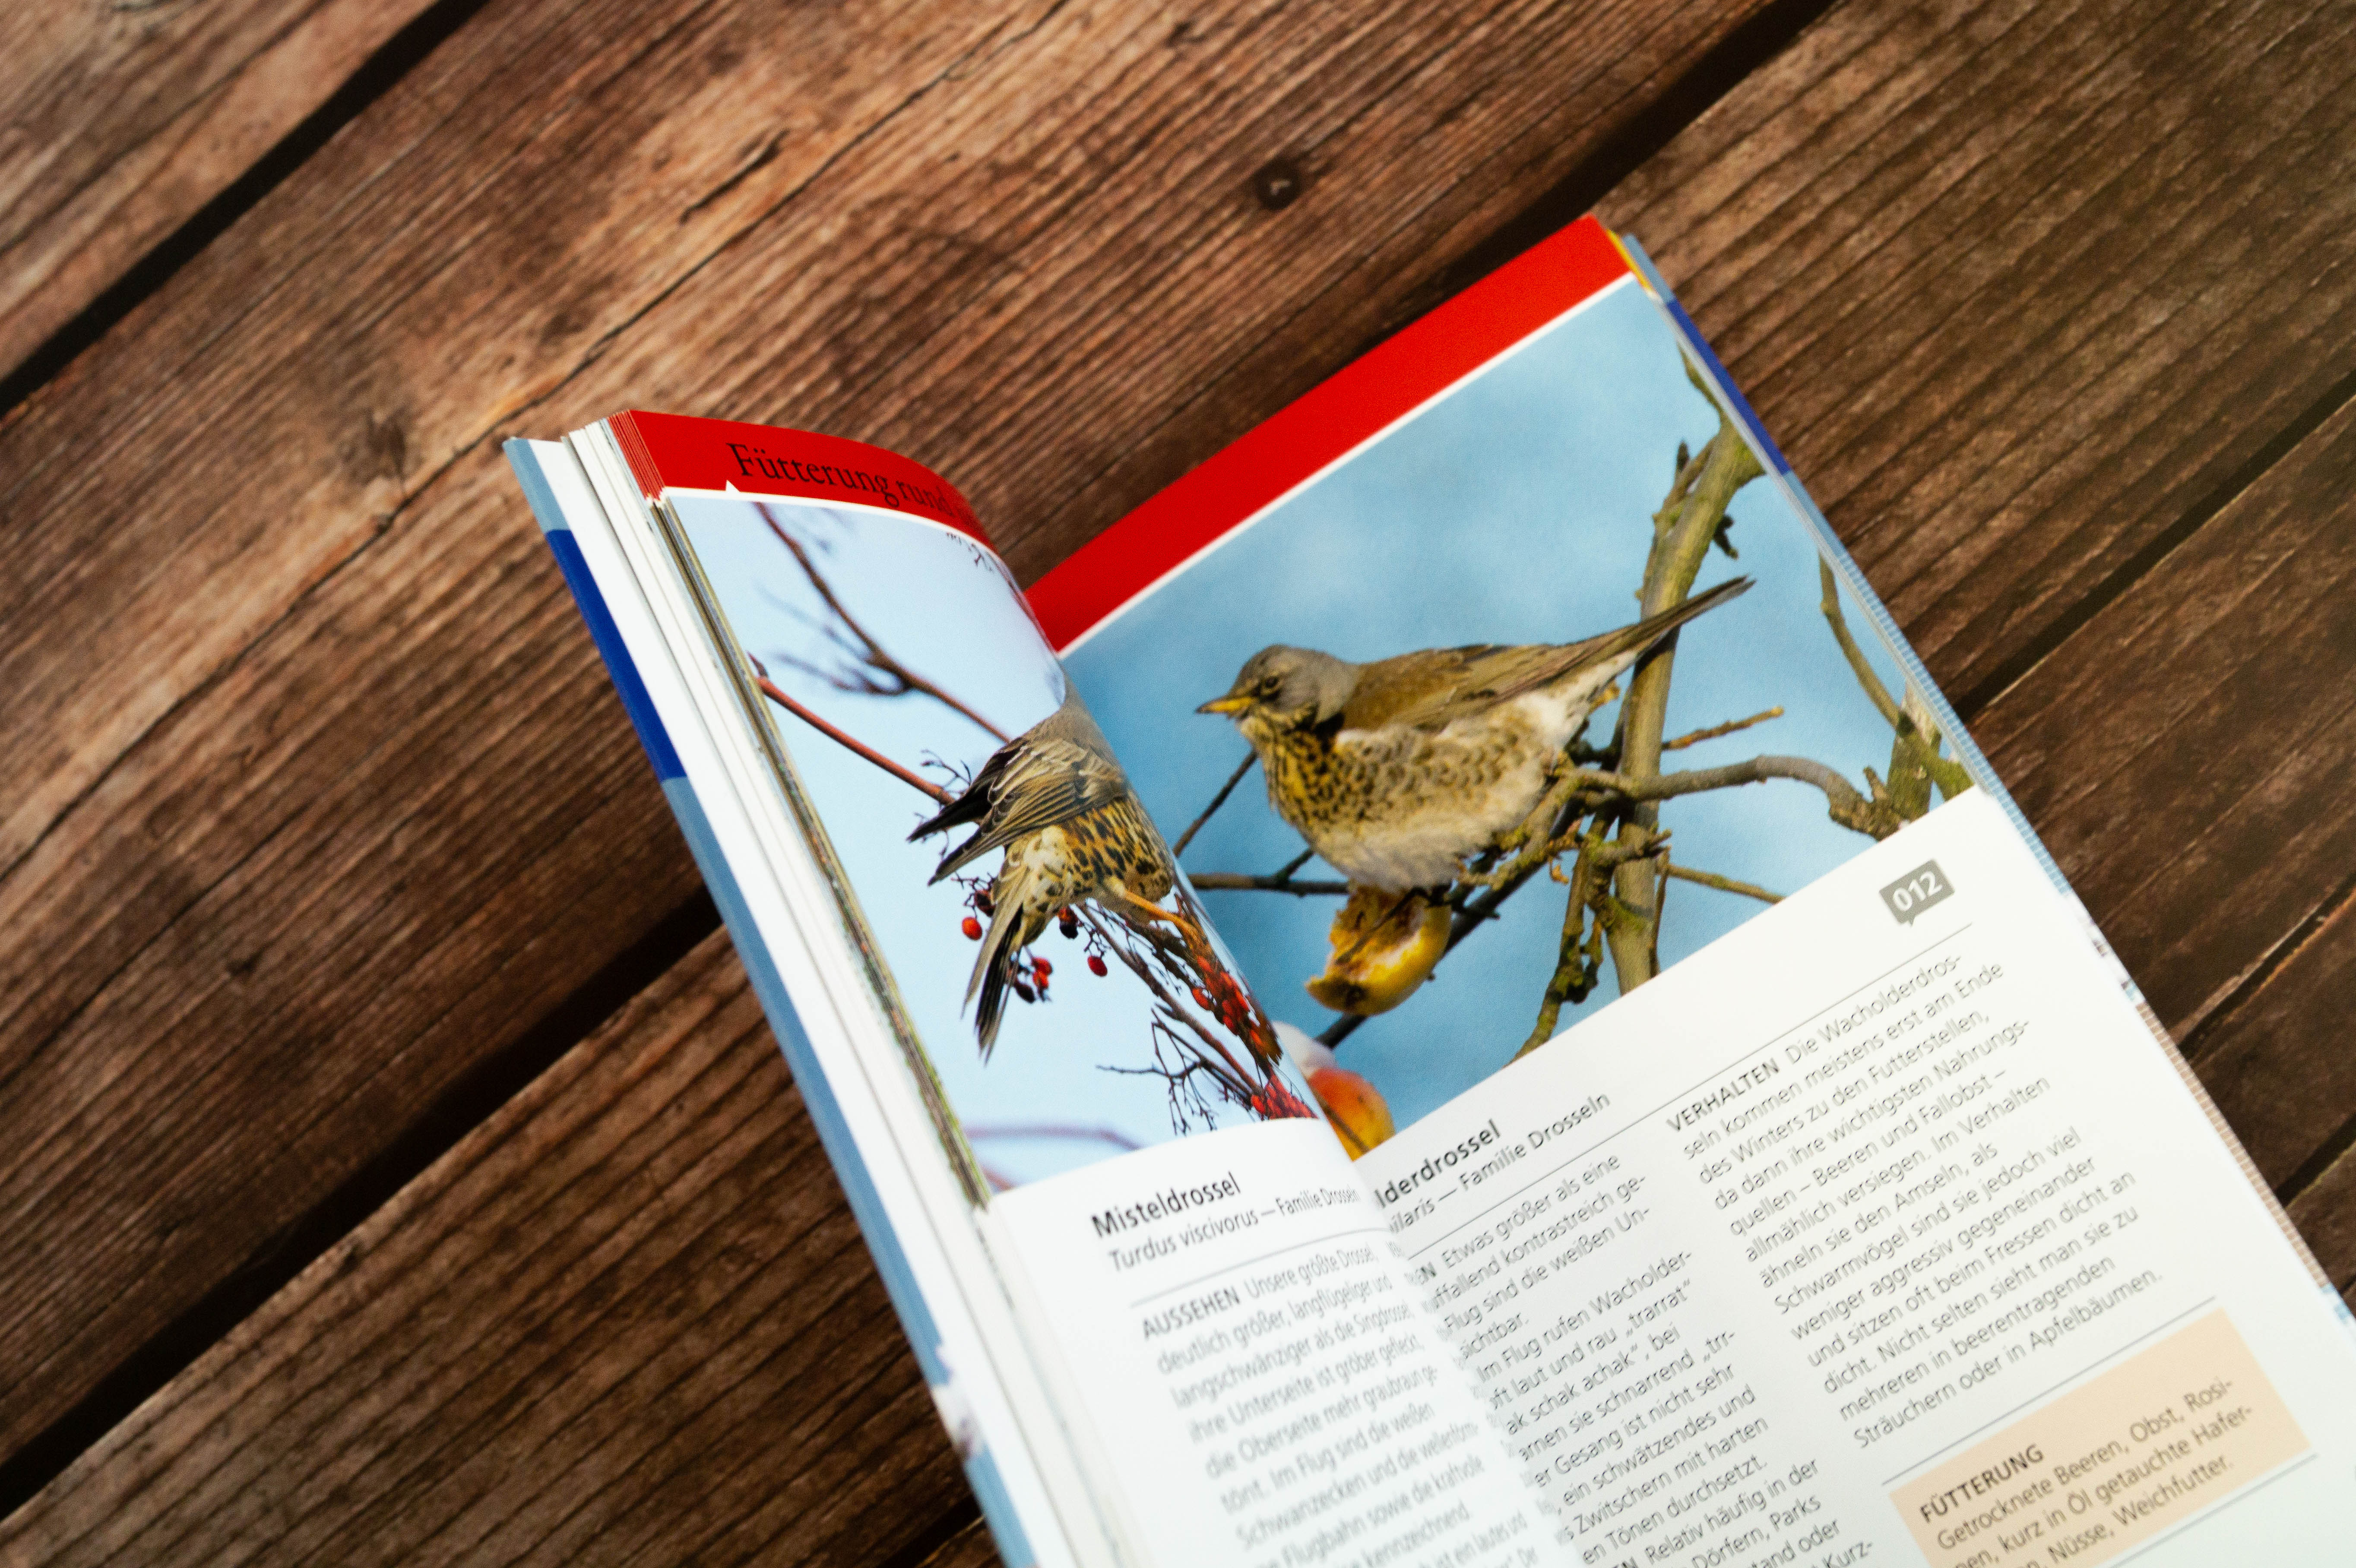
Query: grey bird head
point(1286, 687)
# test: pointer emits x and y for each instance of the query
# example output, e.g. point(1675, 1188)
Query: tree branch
point(1688, 522)
point(1877, 693)
point(1217, 801)
point(769, 690)
point(1233, 882)
point(874, 655)
point(1716, 730)
point(1845, 803)
point(1724, 884)
point(1915, 765)
point(1578, 961)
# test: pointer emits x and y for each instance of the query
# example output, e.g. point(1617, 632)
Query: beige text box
point(2173, 1429)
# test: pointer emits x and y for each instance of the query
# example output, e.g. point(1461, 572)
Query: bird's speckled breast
point(1400, 808)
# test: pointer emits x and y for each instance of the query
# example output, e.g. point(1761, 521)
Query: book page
point(1795, 1170)
point(1269, 1386)
point(1882, 1230)
point(1212, 1301)
point(1496, 537)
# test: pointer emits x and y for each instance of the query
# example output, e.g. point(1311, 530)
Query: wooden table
point(393, 1166)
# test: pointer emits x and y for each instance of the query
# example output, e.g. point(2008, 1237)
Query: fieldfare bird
point(1396, 773)
point(1059, 805)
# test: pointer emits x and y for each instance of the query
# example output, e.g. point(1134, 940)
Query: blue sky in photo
point(946, 610)
point(1517, 509)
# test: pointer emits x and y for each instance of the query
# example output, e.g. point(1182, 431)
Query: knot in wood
point(1277, 184)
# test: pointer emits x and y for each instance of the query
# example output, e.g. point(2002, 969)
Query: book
point(1448, 991)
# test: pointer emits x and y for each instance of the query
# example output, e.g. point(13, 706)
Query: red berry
point(1202, 998)
point(1095, 964)
point(1041, 967)
point(972, 928)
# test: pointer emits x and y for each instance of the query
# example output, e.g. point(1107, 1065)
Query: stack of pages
point(1448, 992)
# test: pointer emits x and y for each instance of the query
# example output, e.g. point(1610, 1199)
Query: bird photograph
point(1065, 996)
point(1072, 831)
point(1399, 771)
point(1547, 686)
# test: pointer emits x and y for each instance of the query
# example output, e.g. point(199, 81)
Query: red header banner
point(1323, 424)
point(676, 452)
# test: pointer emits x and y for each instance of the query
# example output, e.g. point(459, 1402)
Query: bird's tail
point(1632, 642)
point(1012, 927)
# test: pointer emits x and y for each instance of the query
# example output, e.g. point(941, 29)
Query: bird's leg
point(1142, 909)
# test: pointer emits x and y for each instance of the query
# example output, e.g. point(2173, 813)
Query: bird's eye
point(1269, 685)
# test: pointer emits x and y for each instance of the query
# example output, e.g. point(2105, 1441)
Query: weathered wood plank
point(358, 809)
point(2326, 1216)
point(118, 121)
point(969, 1548)
point(2018, 284)
point(626, 1319)
point(362, 991)
point(2189, 757)
point(2278, 1060)
point(277, 408)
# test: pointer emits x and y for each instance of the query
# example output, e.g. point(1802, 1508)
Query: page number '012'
point(1917, 890)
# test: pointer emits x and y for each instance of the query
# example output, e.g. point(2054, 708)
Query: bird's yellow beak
point(1230, 703)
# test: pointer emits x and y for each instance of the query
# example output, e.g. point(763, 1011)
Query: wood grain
point(969, 1548)
point(626, 1319)
point(331, 883)
point(118, 122)
point(280, 405)
point(2019, 285)
point(2326, 1215)
point(2279, 1064)
point(357, 808)
point(2189, 757)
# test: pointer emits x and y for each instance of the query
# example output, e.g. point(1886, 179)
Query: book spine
point(801, 1060)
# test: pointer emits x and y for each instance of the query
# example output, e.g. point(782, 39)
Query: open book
point(1448, 992)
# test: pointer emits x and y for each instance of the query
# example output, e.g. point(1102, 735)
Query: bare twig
point(1578, 961)
point(1724, 884)
point(1877, 693)
point(769, 690)
point(1684, 529)
point(1233, 882)
point(1217, 801)
point(1227, 1066)
point(1715, 731)
point(871, 652)
point(1845, 803)
point(1915, 765)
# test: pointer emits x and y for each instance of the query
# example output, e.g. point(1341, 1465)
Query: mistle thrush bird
point(1072, 830)
point(1397, 771)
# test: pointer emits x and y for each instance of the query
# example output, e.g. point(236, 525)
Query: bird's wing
point(973, 802)
point(1051, 782)
point(1433, 688)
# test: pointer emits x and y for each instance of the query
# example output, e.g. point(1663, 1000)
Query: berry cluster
point(1221, 995)
point(1029, 978)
